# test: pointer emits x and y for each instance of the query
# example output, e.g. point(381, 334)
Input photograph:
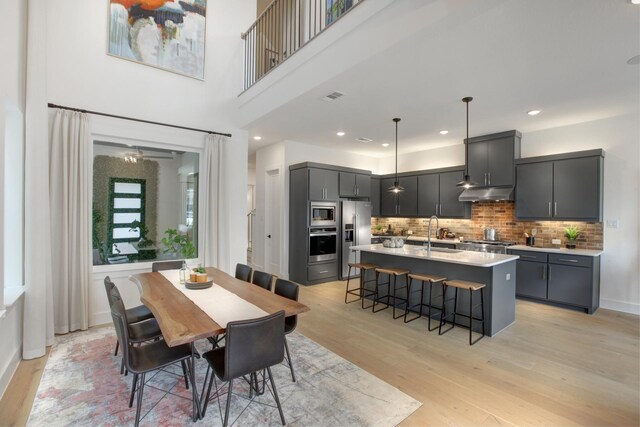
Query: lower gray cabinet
point(565, 279)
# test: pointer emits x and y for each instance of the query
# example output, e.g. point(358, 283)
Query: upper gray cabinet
point(404, 204)
point(323, 184)
point(375, 196)
point(355, 185)
point(491, 158)
point(438, 195)
point(560, 187)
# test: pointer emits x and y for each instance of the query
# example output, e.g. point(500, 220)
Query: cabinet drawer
point(530, 255)
point(322, 271)
point(574, 260)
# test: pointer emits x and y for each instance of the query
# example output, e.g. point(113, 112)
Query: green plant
point(178, 243)
point(572, 233)
point(96, 220)
point(199, 269)
point(378, 227)
point(144, 230)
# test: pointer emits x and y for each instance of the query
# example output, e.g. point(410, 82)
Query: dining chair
point(251, 346)
point(136, 314)
point(140, 360)
point(290, 290)
point(243, 272)
point(166, 265)
point(262, 279)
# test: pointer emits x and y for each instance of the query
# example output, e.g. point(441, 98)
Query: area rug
point(81, 385)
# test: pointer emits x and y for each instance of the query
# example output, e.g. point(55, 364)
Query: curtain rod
point(50, 105)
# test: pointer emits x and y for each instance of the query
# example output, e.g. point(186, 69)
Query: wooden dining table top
point(182, 321)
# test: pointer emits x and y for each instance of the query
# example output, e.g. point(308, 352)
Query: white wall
point(442, 157)
point(12, 100)
point(80, 74)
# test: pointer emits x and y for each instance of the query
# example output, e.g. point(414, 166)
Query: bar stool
point(471, 287)
point(391, 291)
point(361, 292)
point(423, 278)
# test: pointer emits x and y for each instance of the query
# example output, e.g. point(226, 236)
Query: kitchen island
point(496, 271)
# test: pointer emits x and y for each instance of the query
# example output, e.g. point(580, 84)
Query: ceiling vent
point(333, 96)
point(361, 139)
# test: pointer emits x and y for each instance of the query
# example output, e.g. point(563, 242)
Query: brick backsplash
point(501, 216)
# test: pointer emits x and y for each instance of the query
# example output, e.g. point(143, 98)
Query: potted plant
point(378, 228)
point(571, 233)
point(177, 243)
point(145, 246)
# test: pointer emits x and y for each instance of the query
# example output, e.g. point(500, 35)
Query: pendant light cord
point(467, 100)
point(396, 151)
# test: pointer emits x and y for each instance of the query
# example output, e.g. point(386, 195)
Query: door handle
point(549, 208)
point(544, 270)
point(489, 174)
point(555, 208)
point(567, 260)
point(269, 236)
point(485, 178)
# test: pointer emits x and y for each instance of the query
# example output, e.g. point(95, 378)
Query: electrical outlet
point(556, 241)
point(613, 223)
point(508, 276)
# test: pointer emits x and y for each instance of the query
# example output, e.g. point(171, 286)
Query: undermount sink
point(446, 250)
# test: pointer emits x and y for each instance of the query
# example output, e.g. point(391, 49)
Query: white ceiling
point(564, 57)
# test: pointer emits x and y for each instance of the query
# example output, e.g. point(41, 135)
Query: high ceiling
point(567, 58)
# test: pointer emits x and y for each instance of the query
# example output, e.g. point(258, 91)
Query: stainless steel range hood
point(486, 194)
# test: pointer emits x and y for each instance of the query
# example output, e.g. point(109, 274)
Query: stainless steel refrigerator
point(355, 226)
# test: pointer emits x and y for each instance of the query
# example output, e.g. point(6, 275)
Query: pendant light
point(467, 182)
point(396, 187)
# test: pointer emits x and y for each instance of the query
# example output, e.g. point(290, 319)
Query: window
point(142, 195)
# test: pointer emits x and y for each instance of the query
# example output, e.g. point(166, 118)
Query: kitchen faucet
point(429, 232)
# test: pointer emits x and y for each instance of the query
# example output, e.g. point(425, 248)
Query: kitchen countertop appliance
point(490, 234)
point(492, 246)
point(355, 226)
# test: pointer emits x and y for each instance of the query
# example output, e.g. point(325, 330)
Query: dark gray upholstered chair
point(288, 289)
point(251, 346)
point(139, 360)
point(262, 279)
point(136, 314)
point(166, 265)
point(243, 272)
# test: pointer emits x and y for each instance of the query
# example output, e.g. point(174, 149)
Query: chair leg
point(225, 423)
point(346, 293)
point(206, 401)
point(133, 389)
point(117, 346)
point(122, 366)
point(140, 392)
point(275, 395)
point(184, 374)
point(286, 347)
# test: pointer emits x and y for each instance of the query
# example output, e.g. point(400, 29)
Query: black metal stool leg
point(376, 300)
point(443, 314)
point(471, 318)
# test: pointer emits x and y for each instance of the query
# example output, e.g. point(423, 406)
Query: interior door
point(273, 237)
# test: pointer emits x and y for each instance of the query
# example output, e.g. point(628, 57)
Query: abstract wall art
point(168, 34)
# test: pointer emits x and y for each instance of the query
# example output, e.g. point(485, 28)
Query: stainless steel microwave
point(323, 214)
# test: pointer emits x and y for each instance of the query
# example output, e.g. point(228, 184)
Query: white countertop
point(420, 239)
point(476, 259)
point(582, 252)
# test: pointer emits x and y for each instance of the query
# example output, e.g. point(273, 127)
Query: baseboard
point(625, 307)
point(101, 318)
point(10, 369)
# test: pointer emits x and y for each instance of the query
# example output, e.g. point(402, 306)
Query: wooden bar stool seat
point(391, 290)
point(361, 291)
point(471, 287)
point(423, 278)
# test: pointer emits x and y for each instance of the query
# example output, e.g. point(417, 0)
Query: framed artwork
point(167, 34)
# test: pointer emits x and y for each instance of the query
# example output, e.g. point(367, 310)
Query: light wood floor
point(552, 367)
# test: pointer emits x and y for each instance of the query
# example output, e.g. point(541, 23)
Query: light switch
point(508, 276)
point(613, 223)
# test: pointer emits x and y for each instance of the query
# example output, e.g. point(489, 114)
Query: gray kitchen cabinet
point(576, 188)
point(438, 195)
point(534, 190)
point(404, 204)
point(491, 158)
point(560, 187)
point(565, 279)
point(374, 196)
point(323, 184)
point(354, 185)
point(428, 195)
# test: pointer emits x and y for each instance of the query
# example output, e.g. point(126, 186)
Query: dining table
point(187, 315)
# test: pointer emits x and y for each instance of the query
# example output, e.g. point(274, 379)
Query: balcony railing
point(283, 28)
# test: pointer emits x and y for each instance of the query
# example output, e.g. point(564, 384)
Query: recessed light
point(533, 112)
point(363, 139)
point(444, 132)
point(340, 133)
point(386, 144)
point(635, 1)
point(257, 138)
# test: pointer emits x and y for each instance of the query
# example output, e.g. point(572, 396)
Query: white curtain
point(211, 181)
point(70, 194)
